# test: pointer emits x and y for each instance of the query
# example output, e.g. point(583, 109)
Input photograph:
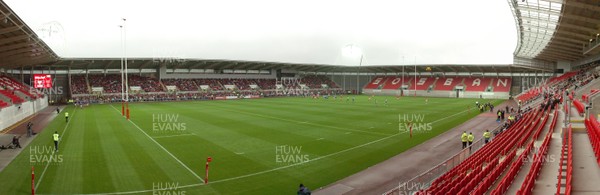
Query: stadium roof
point(149, 63)
point(556, 30)
point(19, 45)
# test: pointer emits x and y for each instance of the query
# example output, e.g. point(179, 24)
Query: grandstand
point(162, 123)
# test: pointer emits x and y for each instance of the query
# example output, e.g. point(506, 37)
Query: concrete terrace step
point(578, 128)
point(547, 179)
point(586, 172)
point(577, 120)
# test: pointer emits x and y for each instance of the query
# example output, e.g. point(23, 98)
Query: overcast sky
point(389, 32)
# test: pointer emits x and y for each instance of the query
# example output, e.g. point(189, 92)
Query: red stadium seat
point(501, 84)
point(447, 83)
point(477, 84)
point(394, 83)
point(376, 83)
point(422, 83)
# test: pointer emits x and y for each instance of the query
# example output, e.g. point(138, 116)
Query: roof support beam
point(16, 51)
point(23, 56)
point(560, 53)
point(576, 27)
point(15, 46)
point(22, 59)
point(555, 58)
point(555, 55)
point(568, 39)
point(563, 48)
point(4, 15)
point(12, 39)
point(591, 7)
point(567, 44)
point(10, 29)
point(583, 19)
point(582, 36)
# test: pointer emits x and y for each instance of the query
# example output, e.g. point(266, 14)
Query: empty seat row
point(566, 154)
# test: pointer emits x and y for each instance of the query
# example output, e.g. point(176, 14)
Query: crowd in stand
point(148, 84)
point(111, 83)
point(315, 81)
point(181, 84)
point(266, 84)
point(212, 83)
point(243, 84)
point(190, 89)
point(582, 78)
point(79, 85)
point(164, 97)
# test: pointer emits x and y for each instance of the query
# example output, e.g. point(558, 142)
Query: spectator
point(302, 190)
point(15, 142)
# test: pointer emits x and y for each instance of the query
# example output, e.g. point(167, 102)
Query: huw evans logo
point(290, 154)
point(414, 123)
point(166, 188)
point(168, 56)
point(535, 152)
point(58, 90)
point(167, 123)
point(41, 155)
point(291, 90)
point(410, 188)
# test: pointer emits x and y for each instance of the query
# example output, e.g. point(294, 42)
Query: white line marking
point(185, 166)
point(63, 134)
point(239, 153)
point(320, 138)
point(278, 168)
point(165, 136)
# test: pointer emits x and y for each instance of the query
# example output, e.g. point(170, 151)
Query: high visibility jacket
point(464, 137)
point(487, 134)
point(66, 114)
point(471, 137)
point(55, 136)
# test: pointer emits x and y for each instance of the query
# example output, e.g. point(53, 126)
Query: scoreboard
point(42, 81)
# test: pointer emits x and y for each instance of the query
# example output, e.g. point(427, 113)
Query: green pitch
point(261, 146)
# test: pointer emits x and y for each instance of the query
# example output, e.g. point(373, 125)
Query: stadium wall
point(15, 113)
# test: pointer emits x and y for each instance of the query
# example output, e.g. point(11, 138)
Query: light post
point(124, 80)
point(122, 76)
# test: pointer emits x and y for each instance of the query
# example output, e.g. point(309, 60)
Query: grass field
point(260, 146)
